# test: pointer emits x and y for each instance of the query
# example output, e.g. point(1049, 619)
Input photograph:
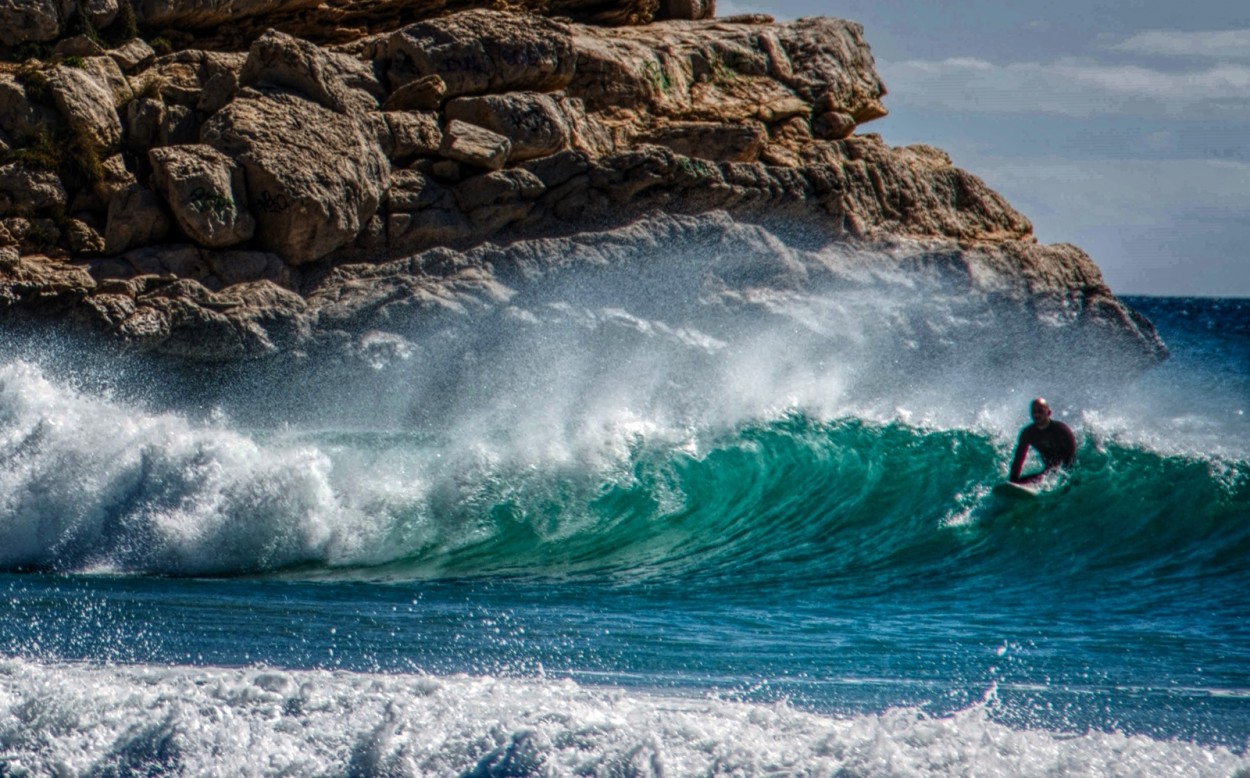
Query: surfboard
point(1012, 491)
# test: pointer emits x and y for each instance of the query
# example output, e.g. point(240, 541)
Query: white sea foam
point(89, 483)
point(89, 720)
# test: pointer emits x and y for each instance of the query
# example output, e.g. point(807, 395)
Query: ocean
point(588, 539)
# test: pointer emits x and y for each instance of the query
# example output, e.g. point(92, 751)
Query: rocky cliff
point(222, 179)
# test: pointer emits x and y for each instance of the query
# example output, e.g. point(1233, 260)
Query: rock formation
point(293, 168)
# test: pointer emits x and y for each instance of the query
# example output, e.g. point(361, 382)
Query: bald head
point(1040, 410)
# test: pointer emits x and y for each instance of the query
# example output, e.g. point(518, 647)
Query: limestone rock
point(179, 125)
point(333, 81)
point(183, 76)
point(82, 238)
point(218, 91)
point(237, 267)
point(833, 125)
point(144, 118)
point(106, 71)
point(178, 13)
point(409, 134)
point(40, 285)
point(135, 218)
point(25, 189)
point(206, 193)
point(133, 56)
point(476, 146)
point(24, 21)
point(558, 168)
point(182, 318)
point(480, 51)
point(533, 122)
point(102, 12)
point(307, 201)
point(423, 213)
point(175, 260)
point(87, 105)
point(711, 140)
point(424, 93)
point(498, 188)
point(21, 117)
point(77, 46)
point(410, 191)
point(712, 71)
point(687, 9)
point(114, 177)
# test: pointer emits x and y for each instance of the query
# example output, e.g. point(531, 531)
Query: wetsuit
point(1056, 444)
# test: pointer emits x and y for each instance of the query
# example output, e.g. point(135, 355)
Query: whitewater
point(612, 530)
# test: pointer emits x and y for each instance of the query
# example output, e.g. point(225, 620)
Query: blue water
point(562, 574)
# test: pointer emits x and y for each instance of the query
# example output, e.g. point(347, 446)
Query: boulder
point(176, 260)
point(474, 145)
point(205, 192)
point(533, 122)
point(114, 177)
point(21, 117)
point(218, 91)
point(314, 176)
point(687, 9)
point(429, 227)
point(554, 170)
point(82, 238)
point(411, 191)
point(182, 318)
point(237, 267)
point(144, 118)
point(25, 189)
point(106, 71)
point(174, 14)
point(711, 140)
point(833, 125)
point(482, 51)
point(179, 125)
point(41, 285)
point(410, 134)
point(182, 77)
point(102, 12)
point(133, 56)
point(24, 21)
point(713, 71)
point(88, 106)
point(77, 46)
point(498, 188)
point(135, 218)
point(425, 93)
point(333, 81)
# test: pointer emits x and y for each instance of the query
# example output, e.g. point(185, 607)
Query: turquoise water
point(700, 569)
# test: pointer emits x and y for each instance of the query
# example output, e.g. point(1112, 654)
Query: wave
point(155, 720)
point(89, 484)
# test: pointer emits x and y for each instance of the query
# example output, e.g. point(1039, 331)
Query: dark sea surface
point(576, 569)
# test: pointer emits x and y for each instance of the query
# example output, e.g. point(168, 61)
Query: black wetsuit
point(1056, 444)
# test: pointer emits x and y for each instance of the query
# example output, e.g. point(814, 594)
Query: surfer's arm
point(1017, 460)
point(1069, 457)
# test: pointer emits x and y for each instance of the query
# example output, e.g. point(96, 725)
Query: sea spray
point(726, 523)
point(89, 485)
point(158, 720)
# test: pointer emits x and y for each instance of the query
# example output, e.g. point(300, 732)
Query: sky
point(1121, 127)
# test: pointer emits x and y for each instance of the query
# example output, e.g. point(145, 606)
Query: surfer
point(1052, 439)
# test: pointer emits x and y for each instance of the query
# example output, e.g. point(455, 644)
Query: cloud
point(1152, 226)
point(1071, 87)
point(1219, 44)
point(1123, 192)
